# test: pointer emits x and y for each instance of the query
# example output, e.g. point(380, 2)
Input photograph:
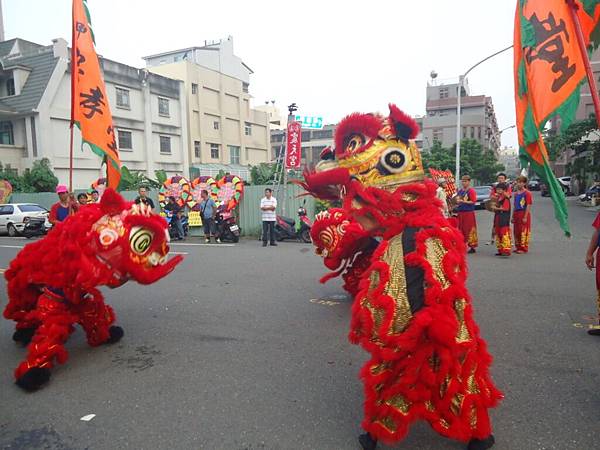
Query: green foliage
point(583, 137)
point(10, 174)
point(133, 180)
point(39, 178)
point(263, 174)
point(475, 161)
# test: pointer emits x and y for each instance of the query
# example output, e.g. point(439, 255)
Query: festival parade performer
point(500, 178)
point(522, 216)
point(405, 267)
point(594, 247)
point(467, 223)
point(53, 283)
point(502, 221)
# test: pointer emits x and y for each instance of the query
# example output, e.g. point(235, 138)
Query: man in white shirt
point(441, 195)
point(268, 204)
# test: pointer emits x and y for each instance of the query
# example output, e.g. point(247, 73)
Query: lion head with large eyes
point(370, 149)
point(129, 240)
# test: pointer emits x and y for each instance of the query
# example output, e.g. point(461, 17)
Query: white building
point(224, 131)
point(35, 100)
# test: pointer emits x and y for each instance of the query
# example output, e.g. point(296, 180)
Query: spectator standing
point(268, 205)
point(440, 193)
point(594, 247)
point(467, 223)
point(143, 198)
point(65, 207)
point(208, 210)
point(174, 210)
point(522, 215)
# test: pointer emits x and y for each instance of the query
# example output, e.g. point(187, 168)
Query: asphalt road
point(242, 348)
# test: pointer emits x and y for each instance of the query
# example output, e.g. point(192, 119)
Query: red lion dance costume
point(52, 283)
point(405, 267)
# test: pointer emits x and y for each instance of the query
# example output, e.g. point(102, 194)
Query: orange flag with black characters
point(549, 70)
point(90, 110)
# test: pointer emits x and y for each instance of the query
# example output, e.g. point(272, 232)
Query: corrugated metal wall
point(249, 210)
point(250, 214)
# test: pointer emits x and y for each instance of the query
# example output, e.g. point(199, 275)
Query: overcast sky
point(330, 57)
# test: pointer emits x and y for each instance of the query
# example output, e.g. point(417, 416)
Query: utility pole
point(2, 39)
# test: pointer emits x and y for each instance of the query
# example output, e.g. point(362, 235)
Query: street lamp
point(461, 80)
point(497, 135)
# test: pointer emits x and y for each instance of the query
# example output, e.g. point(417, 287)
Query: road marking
point(203, 245)
point(21, 246)
point(318, 301)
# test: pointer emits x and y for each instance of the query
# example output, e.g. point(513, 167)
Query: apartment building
point(478, 119)
point(35, 106)
point(224, 131)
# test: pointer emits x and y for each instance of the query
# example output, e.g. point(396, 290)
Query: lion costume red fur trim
point(411, 311)
point(52, 283)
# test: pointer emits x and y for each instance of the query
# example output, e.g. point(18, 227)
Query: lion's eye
point(355, 142)
point(140, 240)
point(393, 160)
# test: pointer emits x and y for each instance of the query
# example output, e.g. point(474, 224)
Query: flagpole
point(73, 81)
point(586, 60)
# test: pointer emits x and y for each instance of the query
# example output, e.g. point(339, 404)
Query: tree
point(479, 163)
point(39, 178)
point(583, 137)
point(264, 173)
point(10, 174)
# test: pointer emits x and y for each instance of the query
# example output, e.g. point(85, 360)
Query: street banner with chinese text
point(549, 70)
point(90, 110)
point(293, 154)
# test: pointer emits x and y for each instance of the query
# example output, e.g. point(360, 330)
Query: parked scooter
point(184, 224)
point(35, 226)
point(286, 228)
point(226, 227)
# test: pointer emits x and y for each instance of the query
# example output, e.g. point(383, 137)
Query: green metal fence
point(249, 213)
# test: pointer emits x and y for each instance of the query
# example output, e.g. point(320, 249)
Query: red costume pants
point(522, 230)
point(467, 224)
point(503, 240)
point(54, 318)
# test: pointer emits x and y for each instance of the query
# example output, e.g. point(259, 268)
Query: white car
point(14, 216)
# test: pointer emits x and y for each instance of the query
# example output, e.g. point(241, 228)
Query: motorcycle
point(184, 224)
point(35, 226)
point(226, 227)
point(286, 228)
point(593, 191)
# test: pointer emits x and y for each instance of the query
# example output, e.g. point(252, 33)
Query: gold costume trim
point(388, 423)
point(463, 334)
point(435, 252)
point(396, 285)
point(399, 403)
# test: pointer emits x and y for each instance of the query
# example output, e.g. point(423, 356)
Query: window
point(472, 132)
point(6, 134)
point(305, 136)
point(443, 92)
point(165, 144)
point(438, 135)
point(163, 107)
point(214, 151)
point(123, 98)
point(248, 129)
point(10, 86)
point(32, 208)
point(6, 210)
point(234, 154)
point(479, 132)
point(322, 134)
point(125, 140)
point(197, 149)
point(216, 124)
point(245, 87)
point(277, 138)
point(464, 132)
point(194, 88)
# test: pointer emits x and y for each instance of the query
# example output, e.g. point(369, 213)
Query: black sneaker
point(264, 244)
point(481, 444)
point(274, 244)
point(471, 251)
point(367, 442)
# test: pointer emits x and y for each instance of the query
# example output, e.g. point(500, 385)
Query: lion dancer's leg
point(47, 345)
point(97, 320)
